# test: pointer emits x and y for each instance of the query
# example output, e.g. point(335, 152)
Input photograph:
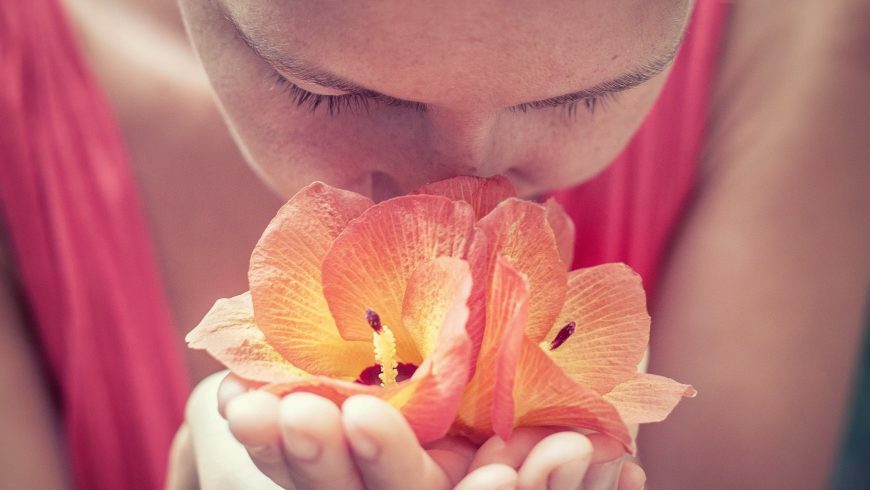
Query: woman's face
point(381, 97)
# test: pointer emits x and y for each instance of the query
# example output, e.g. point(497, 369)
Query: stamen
point(385, 348)
point(563, 335)
point(385, 354)
point(374, 320)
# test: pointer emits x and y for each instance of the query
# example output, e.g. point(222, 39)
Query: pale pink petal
point(608, 306)
point(444, 374)
point(519, 231)
point(648, 398)
point(370, 263)
point(482, 193)
point(563, 229)
point(487, 405)
point(544, 395)
point(286, 287)
point(428, 298)
point(229, 334)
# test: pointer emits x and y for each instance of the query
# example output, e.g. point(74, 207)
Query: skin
point(773, 248)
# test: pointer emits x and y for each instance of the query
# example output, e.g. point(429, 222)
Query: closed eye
point(335, 104)
point(355, 102)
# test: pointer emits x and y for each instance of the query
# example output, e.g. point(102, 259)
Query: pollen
point(385, 354)
point(374, 320)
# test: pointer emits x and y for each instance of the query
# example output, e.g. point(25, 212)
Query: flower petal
point(648, 398)
point(338, 390)
point(482, 193)
point(544, 395)
point(608, 305)
point(429, 297)
point(563, 229)
point(229, 334)
point(285, 279)
point(429, 400)
point(444, 374)
point(518, 231)
point(370, 263)
point(487, 404)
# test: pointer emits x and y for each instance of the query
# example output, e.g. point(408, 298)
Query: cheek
point(554, 153)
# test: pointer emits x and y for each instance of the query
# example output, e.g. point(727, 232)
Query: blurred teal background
point(854, 468)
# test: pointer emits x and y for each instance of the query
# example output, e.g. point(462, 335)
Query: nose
point(463, 143)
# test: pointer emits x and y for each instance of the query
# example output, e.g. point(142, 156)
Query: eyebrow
point(308, 73)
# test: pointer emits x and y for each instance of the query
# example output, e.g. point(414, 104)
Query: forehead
point(485, 50)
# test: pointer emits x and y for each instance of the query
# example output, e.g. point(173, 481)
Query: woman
point(419, 94)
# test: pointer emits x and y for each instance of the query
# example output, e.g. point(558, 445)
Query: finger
point(453, 455)
point(605, 448)
point(490, 477)
point(221, 462)
point(253, 420)
point(181, 473)
point(632, 477)
point(603, 476)
point(230, 387)
point(513, 451)
point(385, 448)
point(558, 462)
point(314, 445)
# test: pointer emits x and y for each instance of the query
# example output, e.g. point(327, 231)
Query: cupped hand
point(303, 441)
point(204, 453)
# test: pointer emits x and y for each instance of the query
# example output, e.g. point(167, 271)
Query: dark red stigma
point(372, 374)
point(563, 335)
point(405, 371)
point(374, 320)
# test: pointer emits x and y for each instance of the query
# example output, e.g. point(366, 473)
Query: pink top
point(69, 209)
point(629, 212)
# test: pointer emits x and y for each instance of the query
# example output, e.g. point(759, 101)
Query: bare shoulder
point(793, 78)
point(791, 114)
point(763, 299)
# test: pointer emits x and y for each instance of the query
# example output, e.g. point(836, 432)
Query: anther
point(374, 320)
point(563, 335)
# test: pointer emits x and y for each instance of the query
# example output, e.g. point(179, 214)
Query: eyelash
point(335, 104)
point(354, 102)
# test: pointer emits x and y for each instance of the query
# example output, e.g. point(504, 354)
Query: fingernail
point(363, 445)
point(301, 446)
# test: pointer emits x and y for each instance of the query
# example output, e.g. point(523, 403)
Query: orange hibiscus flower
point(348, 297)
point(557, 348)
